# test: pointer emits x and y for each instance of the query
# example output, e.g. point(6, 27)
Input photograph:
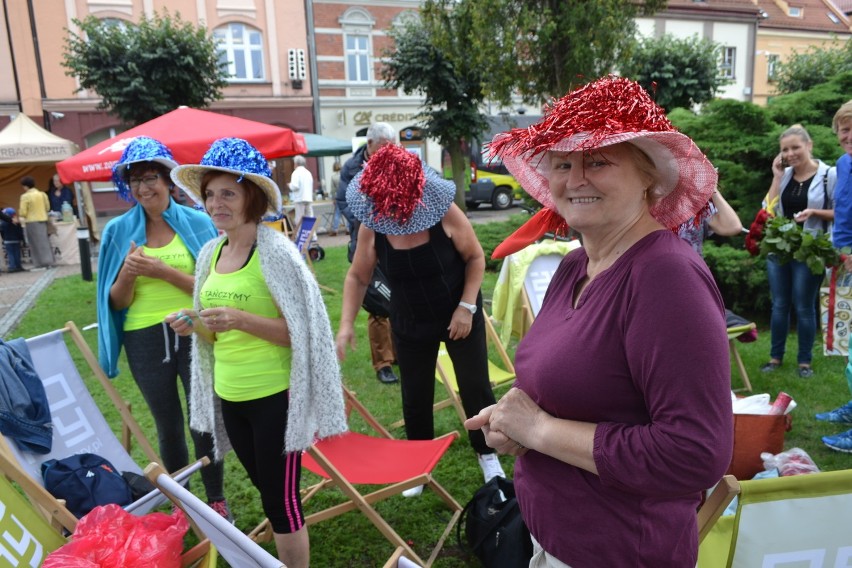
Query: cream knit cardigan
point(316, 393)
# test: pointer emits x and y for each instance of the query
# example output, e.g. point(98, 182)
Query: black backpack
point(494, 528)
point(85, 481)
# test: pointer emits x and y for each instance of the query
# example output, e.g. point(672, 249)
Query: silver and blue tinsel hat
point(233, 156)
point(140, 149)
point(397, 194)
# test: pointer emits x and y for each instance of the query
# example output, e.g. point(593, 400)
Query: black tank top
point(427, 281)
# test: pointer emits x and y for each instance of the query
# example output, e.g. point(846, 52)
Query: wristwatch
point(470, 307)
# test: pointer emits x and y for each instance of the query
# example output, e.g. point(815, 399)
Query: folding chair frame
point(365, 502)
point(27, 538)
point(715, 504)
point(60, 520)
point(763, 493)
point(55, 509)
point(733, 333)
point(155, 474)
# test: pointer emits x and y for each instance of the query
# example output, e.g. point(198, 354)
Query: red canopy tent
point(188, 133)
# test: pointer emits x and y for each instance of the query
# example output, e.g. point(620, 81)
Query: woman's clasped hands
point(509, 425)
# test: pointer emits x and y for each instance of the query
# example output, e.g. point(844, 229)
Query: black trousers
point(417, 353)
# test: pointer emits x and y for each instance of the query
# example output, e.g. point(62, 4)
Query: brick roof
point(714, 8)
point(815, 16)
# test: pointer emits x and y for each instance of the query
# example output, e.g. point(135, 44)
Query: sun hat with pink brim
point(602, 113)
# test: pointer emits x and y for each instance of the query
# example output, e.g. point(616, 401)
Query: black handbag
point(494, 528)
point(378, 294)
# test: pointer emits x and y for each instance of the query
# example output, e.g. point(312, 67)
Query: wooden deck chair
point(78, 424)
point(230, 542)
point(735, 330)
point(399, 560)
point(715, 504)
point(359, 459)
point(26, 538)
point(27, 535)
point(282, 225)
point(537, 279)
point(801, 520)
point(522, 283)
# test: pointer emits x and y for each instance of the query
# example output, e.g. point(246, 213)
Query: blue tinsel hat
point(233, 156)
point(9, 211)
point(140, 149)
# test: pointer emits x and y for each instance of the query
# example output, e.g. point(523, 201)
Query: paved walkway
point(19, 291)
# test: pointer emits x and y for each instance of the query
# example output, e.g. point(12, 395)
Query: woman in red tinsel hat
point(621, 413)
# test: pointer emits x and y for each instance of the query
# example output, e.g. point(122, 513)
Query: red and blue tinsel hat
point(397, 194)
point(608, 111)
point(231, 156)
point(140, 149)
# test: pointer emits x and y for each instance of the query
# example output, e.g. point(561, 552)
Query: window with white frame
point(728, 63)
point(241, 49)
point(357, 58)
point(771, 66)
point(357, 24)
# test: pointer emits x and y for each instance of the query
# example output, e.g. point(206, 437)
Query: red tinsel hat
point(396, 194)
point(608, 111)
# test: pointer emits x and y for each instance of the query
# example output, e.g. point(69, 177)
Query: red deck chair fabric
point(363, 459)
point(358, 459)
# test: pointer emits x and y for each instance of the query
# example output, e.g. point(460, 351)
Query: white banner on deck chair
point(810, 532)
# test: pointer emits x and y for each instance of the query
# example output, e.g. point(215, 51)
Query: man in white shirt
point(302, 190)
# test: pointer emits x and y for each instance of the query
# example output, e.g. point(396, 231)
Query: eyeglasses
point(149, 181)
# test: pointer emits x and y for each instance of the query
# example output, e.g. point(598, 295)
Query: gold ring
point(520, 446)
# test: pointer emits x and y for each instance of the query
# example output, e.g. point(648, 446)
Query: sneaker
point(413, 492)
point(769, 367)
point(806, 372)
point(842, 414)
point(840, 442)
point(491, 467)
point(221, 508)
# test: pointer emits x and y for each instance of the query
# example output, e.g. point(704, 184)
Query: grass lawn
point(351, 540)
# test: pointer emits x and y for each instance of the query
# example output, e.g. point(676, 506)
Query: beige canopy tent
point(27, 149)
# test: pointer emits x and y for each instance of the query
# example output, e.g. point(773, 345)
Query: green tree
point(144, 71)
point(813, 66)
point(678, 72)
point(542, 48)
point(452, 89)
point(814, 106)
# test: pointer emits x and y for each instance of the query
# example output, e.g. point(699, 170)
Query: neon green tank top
point(246, 367)
point(154, 299)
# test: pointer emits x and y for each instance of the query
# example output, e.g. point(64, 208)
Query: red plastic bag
point(110, 537)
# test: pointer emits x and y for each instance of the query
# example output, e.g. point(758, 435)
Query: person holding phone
point(806, 187)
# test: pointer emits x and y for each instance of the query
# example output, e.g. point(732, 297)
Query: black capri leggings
point(256, 431)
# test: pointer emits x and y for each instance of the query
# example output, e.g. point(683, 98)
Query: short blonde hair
point(843, 114)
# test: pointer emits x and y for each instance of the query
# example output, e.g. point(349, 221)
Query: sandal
point(769, 367)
